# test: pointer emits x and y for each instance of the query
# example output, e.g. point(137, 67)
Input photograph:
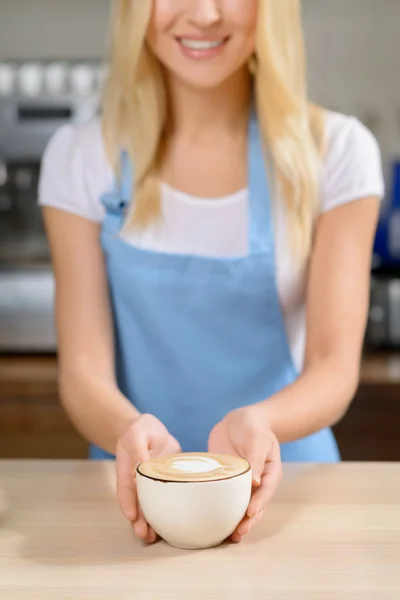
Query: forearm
point(96, 407)
point(317, 399)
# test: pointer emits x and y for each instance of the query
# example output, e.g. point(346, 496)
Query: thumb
point(151, 437)
point(172, 447)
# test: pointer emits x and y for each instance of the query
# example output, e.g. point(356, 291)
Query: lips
point(201, 44)
point(201, 48)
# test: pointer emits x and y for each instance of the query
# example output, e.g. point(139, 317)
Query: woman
point(211, 241)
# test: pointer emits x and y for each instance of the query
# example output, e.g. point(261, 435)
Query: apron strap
point(126, 184)
point(119, 197)
point(261, 187)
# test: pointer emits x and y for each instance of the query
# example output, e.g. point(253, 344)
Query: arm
point(88, 388)
point(337, 306)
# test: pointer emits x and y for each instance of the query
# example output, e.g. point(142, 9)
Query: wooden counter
point(331, 533)
point(32, 421)
point(381, 369)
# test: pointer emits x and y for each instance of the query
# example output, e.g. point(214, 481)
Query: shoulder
point(75, 171)
point(352, 166)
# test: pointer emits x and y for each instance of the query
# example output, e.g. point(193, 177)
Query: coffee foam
point(194, 467)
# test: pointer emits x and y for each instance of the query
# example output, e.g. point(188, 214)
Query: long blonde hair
point(135, 111)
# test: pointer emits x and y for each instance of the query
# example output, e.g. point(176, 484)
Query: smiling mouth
point(202, 45)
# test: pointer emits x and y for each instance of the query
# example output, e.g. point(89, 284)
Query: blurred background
point(52, 65)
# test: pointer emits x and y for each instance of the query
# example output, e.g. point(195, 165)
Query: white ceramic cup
point(195, 514)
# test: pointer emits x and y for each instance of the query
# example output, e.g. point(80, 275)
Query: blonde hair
point(136, 113)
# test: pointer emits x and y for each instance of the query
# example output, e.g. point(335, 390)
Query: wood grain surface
point(331, 533)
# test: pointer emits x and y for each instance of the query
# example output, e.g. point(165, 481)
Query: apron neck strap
point(118, 199)
point(125, 183)
point(260, 184)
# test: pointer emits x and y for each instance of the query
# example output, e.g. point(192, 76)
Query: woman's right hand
point(146, 437)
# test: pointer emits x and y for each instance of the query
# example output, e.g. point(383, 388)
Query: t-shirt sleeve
point(68, 178)
point(353, 164)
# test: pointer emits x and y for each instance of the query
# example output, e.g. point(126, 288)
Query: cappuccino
point(194, 500)
point(193, 467)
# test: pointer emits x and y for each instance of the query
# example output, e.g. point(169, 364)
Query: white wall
point(53, 28)
point(354, 62)
point(353, 48)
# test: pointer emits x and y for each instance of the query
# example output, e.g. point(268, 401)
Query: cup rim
point(198, 480)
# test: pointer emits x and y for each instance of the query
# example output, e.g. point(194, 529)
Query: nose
point(204, 13)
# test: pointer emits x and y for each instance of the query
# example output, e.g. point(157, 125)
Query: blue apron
point(197, 337)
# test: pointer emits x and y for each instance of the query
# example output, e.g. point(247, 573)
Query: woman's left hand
point(245, 432)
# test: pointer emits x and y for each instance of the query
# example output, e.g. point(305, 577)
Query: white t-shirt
point(76, 173)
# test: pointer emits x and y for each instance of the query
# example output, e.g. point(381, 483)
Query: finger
point(236, 538)
point(140, 526)
point(172, 447)
point(247, 524)
point(127, 461)
point(152, 536)
point(151, 435)
point(269, 482)
point(143, 530)
point(126, 489)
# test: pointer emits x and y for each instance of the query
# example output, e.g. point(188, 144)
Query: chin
point(203, 85)
point(203, 81)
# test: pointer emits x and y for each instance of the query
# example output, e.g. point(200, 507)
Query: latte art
point(200, 464)
point(194, 467)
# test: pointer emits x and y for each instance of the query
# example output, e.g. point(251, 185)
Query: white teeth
point(200, 44)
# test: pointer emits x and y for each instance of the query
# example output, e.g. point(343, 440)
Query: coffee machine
point(36, 98)
point(383, 331)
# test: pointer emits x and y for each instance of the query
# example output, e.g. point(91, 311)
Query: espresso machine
point(36, 98)
point(383, 331)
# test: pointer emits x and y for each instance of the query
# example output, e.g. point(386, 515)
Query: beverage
point(194, 500)
point(193, 466)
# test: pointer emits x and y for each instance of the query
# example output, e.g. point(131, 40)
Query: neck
point(197, 112)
